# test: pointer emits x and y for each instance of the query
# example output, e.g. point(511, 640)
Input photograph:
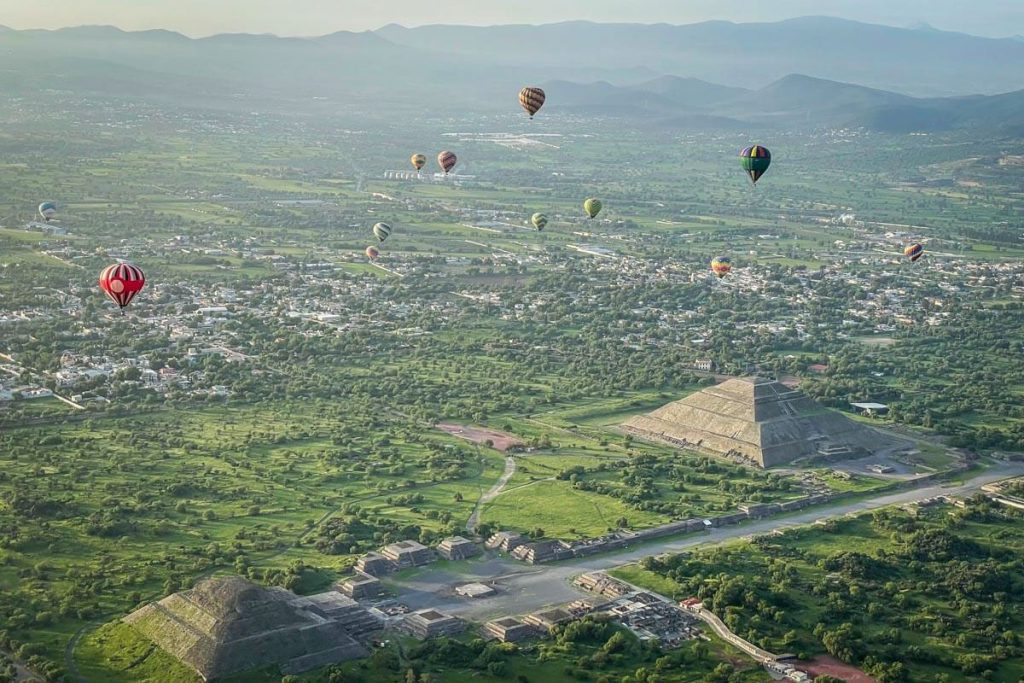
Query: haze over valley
point(534, 352)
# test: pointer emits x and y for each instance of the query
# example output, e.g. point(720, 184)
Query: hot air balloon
point(531, 99)
point(447, 160)
point(755, 161)
point(720, 266)
point(121, 282)
point(381, 231)
point(418, 161)
point(914, 251)
point(592, 206)
point(48, 210)
point(539, 221)
point(372, 253)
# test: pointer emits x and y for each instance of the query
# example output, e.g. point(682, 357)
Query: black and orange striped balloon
point(121, 282)
point(447, 160)
point(531, 99)
point(914, 252)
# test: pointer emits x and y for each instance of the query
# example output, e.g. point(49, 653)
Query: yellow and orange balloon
point(720, 266)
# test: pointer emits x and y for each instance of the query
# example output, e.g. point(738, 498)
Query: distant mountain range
point(922, 62)
point(663, 75)
point(792, 101)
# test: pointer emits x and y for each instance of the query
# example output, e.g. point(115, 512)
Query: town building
point(871, 408)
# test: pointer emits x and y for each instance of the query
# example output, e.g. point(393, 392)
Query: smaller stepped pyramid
point(761, 420)
point(228, 625)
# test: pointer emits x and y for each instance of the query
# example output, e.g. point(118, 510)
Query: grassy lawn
point(117, 653)
point(561, 511)
point(638, 576)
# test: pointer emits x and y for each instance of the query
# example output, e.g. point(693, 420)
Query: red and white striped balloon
point(121, 282)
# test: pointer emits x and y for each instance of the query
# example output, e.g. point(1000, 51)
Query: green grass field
point(575, 512)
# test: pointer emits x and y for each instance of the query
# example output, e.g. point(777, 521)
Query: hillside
point(657, 74)
point(793, 101)
point(931, 63)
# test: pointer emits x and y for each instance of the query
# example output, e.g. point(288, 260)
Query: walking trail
point(510, 469)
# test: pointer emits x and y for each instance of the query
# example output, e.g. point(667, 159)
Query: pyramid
point(227, 625)
point(761, 420)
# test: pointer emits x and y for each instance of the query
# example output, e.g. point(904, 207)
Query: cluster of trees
point(942, 377)
point(650, 482)
point(930, 594)
point(30, 654)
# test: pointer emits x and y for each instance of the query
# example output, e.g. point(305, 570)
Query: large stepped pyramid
point(227, 625)
point(761, 420)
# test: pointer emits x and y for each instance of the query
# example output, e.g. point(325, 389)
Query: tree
point(720, 674)
point(843, 643)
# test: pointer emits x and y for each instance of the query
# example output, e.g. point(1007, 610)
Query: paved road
point(524, 588)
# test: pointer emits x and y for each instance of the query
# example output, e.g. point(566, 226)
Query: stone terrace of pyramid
point(761, 420)
point(228, 625)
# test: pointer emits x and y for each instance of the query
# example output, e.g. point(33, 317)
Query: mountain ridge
point(798, 99)
point(932, 63)
point(367, 70)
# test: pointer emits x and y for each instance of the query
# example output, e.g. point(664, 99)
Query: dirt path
point(510, 469)
point(69, 652)
point(22, 674)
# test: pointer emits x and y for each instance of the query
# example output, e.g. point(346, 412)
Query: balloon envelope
point(914, 252)
point(539, 221)
point(531, 99)
point(121, 282)
point(720, 266)
point(592, 207)
point(381, 231)
point(48, 210)
point(755, 161)
point(372, 253)
point(447, 160)
point(418, 161)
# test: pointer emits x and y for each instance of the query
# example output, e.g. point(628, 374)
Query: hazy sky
point(315, 17)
